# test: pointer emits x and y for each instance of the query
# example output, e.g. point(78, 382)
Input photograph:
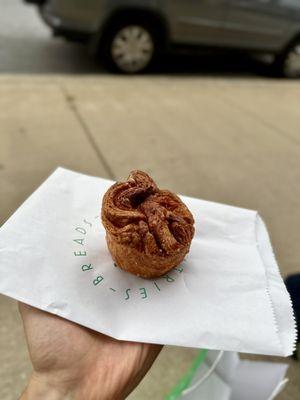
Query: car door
point(257, 24)
point(196, 21)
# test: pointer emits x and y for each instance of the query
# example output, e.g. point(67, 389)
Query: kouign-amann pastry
point(148, 230)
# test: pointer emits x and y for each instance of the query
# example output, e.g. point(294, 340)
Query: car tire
point(287, 64)
point(130, 46)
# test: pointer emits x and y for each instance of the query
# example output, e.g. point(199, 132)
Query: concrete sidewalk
point(229, 140)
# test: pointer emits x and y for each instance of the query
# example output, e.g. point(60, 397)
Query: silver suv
point(130, 35)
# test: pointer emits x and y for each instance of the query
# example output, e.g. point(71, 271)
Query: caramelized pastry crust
point(148, 230)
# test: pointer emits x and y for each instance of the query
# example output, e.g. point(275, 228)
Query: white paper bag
point(222, 375)
point(227, 294)
point(213, 388)
point(258, 380)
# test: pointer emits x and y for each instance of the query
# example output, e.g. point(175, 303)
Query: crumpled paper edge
point(274, 281)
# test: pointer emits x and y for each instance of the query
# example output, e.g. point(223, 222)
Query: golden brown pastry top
point(140, 215)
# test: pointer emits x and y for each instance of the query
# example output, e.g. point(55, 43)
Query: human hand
point(75, 363)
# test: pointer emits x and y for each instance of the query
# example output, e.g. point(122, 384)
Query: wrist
point(41, 389)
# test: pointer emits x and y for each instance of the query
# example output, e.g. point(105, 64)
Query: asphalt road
point(27, 45)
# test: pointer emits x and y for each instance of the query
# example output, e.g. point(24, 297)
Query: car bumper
point(61, 28)
point(37, 2)
point(49, 19)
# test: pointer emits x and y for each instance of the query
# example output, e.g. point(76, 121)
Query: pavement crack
point(73, 107)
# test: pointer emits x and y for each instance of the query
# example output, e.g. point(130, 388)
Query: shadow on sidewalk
point(56, 56)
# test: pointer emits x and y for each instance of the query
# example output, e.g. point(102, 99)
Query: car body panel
point(89, 15)
point(258, 24)
point(196, 22)
point(264, 25)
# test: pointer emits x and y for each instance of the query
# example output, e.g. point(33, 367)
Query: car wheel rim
point(132, 48)
point(292, 62)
